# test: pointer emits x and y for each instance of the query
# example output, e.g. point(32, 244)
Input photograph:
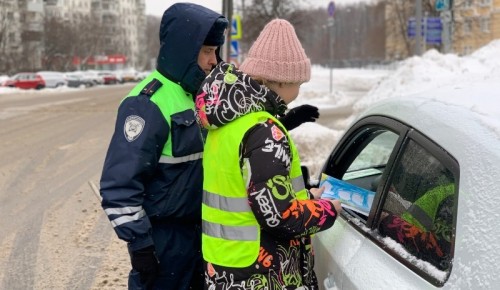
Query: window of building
point(484, 23)
point(467, 49)
point(467, 26)
point(12, 37)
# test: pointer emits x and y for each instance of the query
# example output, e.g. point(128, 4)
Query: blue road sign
point(432, 31)
point(235, 48)
point(442, 5)
point(331, 9)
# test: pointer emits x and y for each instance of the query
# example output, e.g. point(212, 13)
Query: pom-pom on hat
point(216, 35)
point(277, 55)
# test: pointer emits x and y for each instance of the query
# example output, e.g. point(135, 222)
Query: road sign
point(235, 48)
point(432, 23)
point(236, 30)
point(446, 16)
point(331, 9)
point(432, 31)
point(442, 5)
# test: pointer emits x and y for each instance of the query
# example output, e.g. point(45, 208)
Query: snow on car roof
point(458, 111)
point(465, 121)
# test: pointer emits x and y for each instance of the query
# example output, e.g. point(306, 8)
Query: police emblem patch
point(133, 127)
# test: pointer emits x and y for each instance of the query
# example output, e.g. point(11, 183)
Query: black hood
point(184, 27)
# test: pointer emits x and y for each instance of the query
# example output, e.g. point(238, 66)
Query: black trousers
point(178, 247)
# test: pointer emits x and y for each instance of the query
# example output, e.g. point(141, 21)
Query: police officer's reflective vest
point(422, 213)
point(170, 99)
point(231, 233)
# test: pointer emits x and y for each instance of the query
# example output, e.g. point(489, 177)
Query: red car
point(26, 81)
point(108, 78)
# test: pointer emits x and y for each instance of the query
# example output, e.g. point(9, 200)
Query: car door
point(22, 81)
point(400, 165)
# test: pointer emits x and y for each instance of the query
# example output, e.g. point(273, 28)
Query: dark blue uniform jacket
point(137, 190)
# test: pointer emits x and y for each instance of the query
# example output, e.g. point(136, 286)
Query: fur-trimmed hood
point(184, 27)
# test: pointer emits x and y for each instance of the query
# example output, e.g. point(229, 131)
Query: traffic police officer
point(151, 184)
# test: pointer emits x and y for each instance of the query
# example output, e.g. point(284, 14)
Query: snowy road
point(53, 233)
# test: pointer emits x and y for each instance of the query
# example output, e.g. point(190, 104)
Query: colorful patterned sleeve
point(265, 164)
point(426, 245)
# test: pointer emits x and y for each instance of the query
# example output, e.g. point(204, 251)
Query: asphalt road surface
point(53, 232)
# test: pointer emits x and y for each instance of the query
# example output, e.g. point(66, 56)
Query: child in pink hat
point(257, 214)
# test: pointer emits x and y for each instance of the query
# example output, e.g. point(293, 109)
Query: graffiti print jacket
point(285, 259)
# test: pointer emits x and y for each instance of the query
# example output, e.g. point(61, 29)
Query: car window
point(414, 184)
point(419, 208)
point(374, 155)
point(361, 162)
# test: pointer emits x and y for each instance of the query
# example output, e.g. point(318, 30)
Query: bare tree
point(5, 9)
point(59, 39)
point(259, 12)
point(152, 41)
point(90, 38)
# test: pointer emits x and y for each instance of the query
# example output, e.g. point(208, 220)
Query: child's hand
point(337, 204)
point(317, 192)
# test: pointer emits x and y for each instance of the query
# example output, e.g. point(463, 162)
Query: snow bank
point(434, 70)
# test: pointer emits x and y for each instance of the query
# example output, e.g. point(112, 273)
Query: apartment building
point(120, 23)
point(474, 23)
point(10, 33)
point(477, 22)
point(122, 27)
point(21, 29)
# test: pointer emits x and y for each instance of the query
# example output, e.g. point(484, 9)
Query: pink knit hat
point(277, 55)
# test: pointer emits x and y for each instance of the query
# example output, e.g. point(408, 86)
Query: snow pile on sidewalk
point(434, 70)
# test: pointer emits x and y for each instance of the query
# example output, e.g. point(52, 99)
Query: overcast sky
point(157, 7)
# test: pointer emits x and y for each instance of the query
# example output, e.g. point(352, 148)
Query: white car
point(94, 76)
point(53, 79)
point(433, 163)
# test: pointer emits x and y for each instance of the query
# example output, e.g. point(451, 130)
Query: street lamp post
point(418, 27)
point(227, 11)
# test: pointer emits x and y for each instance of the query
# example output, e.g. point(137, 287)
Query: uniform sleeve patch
point(277, 133)
point(134, 125)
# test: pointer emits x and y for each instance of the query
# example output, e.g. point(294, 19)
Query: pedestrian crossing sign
point(236, 27)
point(235, 48)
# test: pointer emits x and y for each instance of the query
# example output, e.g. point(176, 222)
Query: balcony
point(33, 26)
point(36, 7)
point(51, 2)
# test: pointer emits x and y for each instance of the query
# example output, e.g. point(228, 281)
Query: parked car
point(3, 79)
point(127, 75)
point(53, 79)
point(404, 149)
point(77, 79)
point(26, 80)
point(94, 76)
point(108, 77)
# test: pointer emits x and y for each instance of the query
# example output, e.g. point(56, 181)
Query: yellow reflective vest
point(423, 212)
point(231, 233)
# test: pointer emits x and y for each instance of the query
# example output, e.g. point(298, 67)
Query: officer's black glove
point(298, 115)
point(146, 263)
